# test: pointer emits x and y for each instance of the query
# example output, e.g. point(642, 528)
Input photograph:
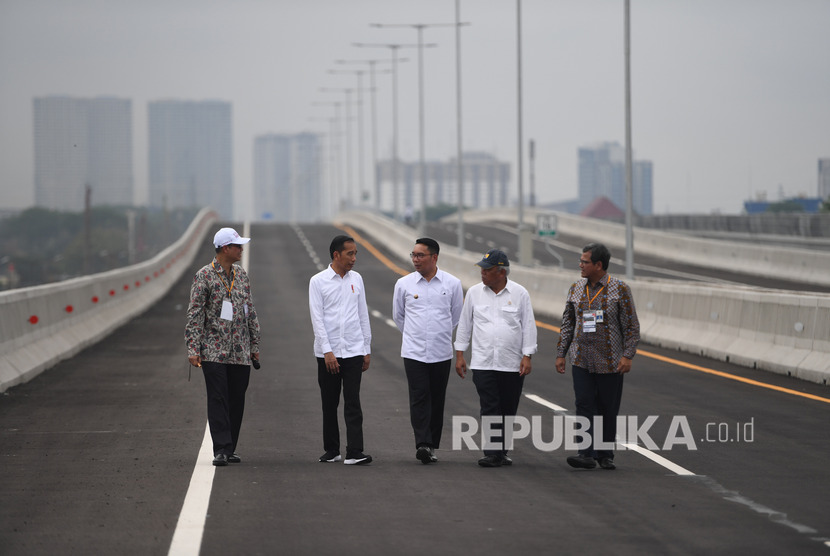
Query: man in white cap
point(222, 337)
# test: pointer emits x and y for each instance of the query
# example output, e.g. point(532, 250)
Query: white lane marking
point(544, 402)
point(660, 460)
point(187, 539)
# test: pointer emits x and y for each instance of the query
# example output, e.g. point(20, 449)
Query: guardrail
point(43, 325)
point(779, 331)
point(811, 266)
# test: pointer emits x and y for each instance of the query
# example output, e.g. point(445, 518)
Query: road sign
point(546, 224)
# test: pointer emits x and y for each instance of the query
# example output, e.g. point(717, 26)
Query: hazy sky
point(731, 98)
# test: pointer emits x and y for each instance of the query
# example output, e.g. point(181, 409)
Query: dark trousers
point(499, 394)
point(427, 393)
point(226, 386)
point(348, 379)
point(598, 394)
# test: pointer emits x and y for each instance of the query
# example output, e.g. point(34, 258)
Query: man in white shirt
point(342, 346)
point(426, 307)
point(497, 315)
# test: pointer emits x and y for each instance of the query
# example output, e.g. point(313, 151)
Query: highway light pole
point(349, 187)
point(395, 162)
point(525, 245)
point(372, 91)
point(459, 152)
point(334, 146)
point(419, 27)
point(360, 156)
point(629, 194)
point(330, 158)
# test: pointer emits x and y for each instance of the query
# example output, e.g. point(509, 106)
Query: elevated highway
point(100, 452)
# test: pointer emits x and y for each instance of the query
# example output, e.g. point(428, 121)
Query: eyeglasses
point(583, 261)
point(419, 256)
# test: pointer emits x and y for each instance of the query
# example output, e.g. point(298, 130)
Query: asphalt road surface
point(98, 452)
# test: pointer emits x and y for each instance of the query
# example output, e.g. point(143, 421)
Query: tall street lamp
point(419, 27)
point(524, 256)
point(393, 47)
point(360, 157)
point(349, 186)
point(372, 91)
point(458, 156)
point(330, 164)
point(629, 186)
point(334, 148)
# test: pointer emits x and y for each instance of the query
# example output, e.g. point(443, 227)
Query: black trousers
point(427, 393)
point(499, 394)
point(598, 394)
point(226, 386)
point(348, 379)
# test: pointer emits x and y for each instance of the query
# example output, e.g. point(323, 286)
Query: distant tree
point(785, 206)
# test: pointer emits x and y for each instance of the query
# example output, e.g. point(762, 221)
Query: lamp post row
point(524, 258)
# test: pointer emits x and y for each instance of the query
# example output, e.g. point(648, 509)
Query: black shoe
point(331, 456)
point(506, 460)
point(432, 457)
point(234, 458)
point(581, 461)
point(607, 463)
point(491, 461)
point(423, 454)
point(357, 459)
point(220, 460)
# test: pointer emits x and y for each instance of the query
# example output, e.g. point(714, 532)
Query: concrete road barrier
point(781, 331)
point(43, 325)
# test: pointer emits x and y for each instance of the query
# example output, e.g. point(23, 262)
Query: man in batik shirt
point(600, 332)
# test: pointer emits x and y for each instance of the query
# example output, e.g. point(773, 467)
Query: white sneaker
point(358, 459)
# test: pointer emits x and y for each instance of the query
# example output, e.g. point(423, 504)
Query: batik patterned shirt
point(206, 333)
point(615, 337)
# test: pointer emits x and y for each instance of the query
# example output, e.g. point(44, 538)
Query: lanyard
point(230, 289)
point(595, 295)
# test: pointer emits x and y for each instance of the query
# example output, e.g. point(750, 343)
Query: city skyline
point(729, 99)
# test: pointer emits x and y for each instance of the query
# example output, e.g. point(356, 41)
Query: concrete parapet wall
point(810, 266)
point(783, 332)
point(43, 325)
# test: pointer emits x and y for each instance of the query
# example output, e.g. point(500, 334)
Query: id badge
point(600, 316)
point(227, 310)
point(589, 321)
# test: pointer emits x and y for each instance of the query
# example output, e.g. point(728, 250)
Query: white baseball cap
point(226, 236)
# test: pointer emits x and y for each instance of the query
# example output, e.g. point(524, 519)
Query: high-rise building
point(824, 178)
point(287, 185)
point(602, 174)
point(82, 142)
point(191, 155)
point(486, 183)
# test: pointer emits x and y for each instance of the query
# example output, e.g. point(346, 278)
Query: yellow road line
point(373, 250)
point(395, 268)
point(706, 370)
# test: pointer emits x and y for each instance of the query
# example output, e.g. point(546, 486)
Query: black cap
point(493, 257)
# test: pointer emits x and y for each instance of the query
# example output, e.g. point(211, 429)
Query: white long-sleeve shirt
point(426, 313)
point(502, 327)
point(339, 314)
